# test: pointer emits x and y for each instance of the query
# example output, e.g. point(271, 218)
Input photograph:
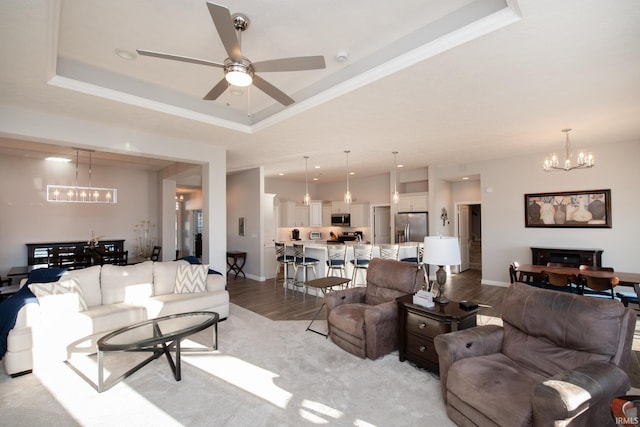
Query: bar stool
point(302, 260)
point(361, 258)
point(284, 260)
point(389, 251)
point(419, 260)
point(336, 259)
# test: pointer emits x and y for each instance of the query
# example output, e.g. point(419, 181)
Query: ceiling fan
point(238, 70)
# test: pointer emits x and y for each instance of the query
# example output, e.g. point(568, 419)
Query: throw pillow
point(65, 295)
point(191, 278)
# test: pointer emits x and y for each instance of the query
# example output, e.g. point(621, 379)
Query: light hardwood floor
point(269, 301)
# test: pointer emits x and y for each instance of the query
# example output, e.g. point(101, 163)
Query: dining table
point(625, 278)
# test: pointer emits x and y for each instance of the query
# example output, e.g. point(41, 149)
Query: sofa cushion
point(389, 279)
point(164, 276)
point(128, 283)
point(63, 296)
point(471, 380)
point(538, 336)
point(89, 280)
point(163, 305)
point(191, 278)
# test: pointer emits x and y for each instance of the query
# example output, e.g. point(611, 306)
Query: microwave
point(341, 220)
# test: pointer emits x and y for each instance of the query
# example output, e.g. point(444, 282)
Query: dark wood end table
point(419, 325)
point(236, 256)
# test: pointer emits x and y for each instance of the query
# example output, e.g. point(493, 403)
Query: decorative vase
point(560, 215)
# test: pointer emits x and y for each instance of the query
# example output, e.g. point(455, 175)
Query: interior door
point(463, 235)
point(381, 224)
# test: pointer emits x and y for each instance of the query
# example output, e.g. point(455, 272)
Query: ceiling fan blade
point(226, 31)
point(299, 63)
point(217, 90)
point(178, 58)
point(272, 91)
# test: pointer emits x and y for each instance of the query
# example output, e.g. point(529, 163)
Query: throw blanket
point(10, 307)
point(193, 260)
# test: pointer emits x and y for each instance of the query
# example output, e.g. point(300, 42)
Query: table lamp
point(441, 251)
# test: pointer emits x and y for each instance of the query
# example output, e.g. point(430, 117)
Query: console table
point(38, 253)
point(572, 257)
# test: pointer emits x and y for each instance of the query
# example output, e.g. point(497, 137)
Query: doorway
point(469, 232)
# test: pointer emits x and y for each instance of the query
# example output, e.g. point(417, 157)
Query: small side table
point(419, 325)
point(235, 257)
point(325, 284)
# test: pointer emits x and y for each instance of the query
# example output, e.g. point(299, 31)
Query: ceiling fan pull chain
point(249, 101)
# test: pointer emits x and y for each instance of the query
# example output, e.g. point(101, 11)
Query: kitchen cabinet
point(326, 215)
point(360, 215)
point(339, 207)
point(315, 213)
point(287, 214)
point(302, 216)
point(413, 202)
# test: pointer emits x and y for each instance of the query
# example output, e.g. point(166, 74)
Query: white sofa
point(115, 296)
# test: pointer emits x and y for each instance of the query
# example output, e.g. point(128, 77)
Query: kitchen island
point(318, 250)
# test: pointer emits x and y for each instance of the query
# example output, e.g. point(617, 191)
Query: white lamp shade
point(441, 250)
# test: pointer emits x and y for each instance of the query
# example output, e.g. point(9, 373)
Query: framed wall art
point(568, 209)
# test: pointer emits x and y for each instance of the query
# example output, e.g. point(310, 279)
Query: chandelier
point(395, 196)
point(553, 164)
point(347, 194)
point(77, 194)
point(307, 197)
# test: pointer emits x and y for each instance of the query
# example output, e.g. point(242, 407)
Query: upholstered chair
point(364, 320)
point(558, 359)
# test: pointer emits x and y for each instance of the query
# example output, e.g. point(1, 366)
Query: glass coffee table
point(158, 336)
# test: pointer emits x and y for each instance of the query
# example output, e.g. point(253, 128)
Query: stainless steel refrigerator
point(411, 226)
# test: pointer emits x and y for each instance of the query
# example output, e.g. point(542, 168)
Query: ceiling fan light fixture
point(238, 74)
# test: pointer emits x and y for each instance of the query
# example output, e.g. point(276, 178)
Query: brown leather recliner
point(364, 320)
point(557, 357)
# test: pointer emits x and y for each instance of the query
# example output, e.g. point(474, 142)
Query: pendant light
point(307, 197)
point(347, 194)
point(395, 196)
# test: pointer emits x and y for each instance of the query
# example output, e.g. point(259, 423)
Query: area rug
point(265, 373)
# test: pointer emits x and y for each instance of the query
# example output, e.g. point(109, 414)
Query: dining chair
point(361, 257)
point(559, 281)
point(155, 253)
point(419, 260)
point(599, 287)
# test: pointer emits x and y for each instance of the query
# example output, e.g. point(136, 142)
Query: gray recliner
point(558, 357)
point(364, 320)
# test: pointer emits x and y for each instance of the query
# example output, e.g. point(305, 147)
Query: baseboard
point(494, 283)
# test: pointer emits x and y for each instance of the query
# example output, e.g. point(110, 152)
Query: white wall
point(244, 199)
point(26, 216)
point(50, 128)
point(504, 183)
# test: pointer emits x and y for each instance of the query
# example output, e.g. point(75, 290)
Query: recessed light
point(126, 54)
point(316, 167)
point(464, 178)
point(352, 173)
point(315, 179)
point(342, 56)
point(400, 166)
point(58, 159)
point(281, 174)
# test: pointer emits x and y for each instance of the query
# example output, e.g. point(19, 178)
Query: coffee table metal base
point(158, 349)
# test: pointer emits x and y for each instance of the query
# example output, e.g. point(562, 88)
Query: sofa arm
point(346, 296)
point(476, 341)
point(568, 394)
point(216, 282)
point(381, 329)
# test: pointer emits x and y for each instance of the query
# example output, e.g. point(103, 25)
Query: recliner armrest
point(568, 394)
point(346, 296)
point(476, 341)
